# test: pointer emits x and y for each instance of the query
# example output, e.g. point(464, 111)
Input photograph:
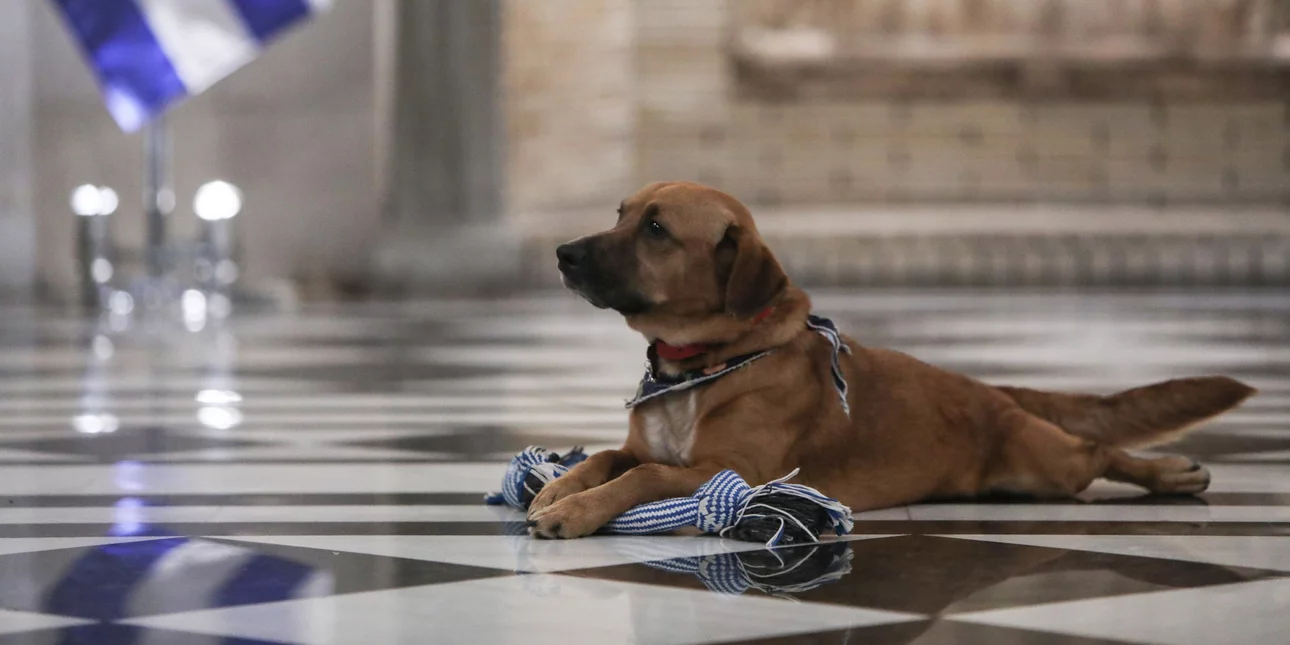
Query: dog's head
point(678, 250)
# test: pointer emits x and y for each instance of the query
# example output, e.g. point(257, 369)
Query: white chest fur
point(668, 427)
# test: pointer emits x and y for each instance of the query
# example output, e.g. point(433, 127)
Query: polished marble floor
point(316, 477)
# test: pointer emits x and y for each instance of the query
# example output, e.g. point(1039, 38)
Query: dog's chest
point(668, 428)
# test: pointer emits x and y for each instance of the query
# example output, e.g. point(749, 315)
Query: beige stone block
point(1134, 144)
point(1061, 146)
point(1088, 19)
point(672, 61)
point(680, 161)
point(1258, 126)
point(1115, 120)
point(929, 179)
point(770, 127)
point(1134, 179)
point(857, 119)
point(858, 153)
point(1180, 117)
point(857, 184)
point(1197, 178)
point(803, 188)
point(997, 147)
point(1258, 182)
point(666, 21)
point(699, 105)
point(807, 162)
point(1199, 143)
point(1069, 172)
point(963, 119)
point(804, 125)
point(712, 122)
point(999, 171)
point(1258, 158)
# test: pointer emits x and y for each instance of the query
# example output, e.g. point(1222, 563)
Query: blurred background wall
point(880, 141)
point(1149, 101)
point(955, 141)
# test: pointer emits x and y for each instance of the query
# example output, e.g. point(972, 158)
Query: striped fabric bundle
point(150, 54)
point(529, 471)
point(774, 513)
point(775, 572)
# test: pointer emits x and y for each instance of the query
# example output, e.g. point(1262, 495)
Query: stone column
point(444, 188)
point(17, 218)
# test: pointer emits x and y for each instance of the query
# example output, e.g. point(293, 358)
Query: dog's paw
point(571, 517)
point(1179, 476)
point(555, 491)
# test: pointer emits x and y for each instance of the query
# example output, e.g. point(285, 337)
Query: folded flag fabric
point(775, 572)
point(775, 513)
point(151, 54)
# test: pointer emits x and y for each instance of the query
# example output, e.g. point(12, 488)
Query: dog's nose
point(571, 255)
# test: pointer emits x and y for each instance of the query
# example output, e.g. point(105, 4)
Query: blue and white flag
point(150, 54)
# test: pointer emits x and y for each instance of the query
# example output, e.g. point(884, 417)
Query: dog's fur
point(685, 265)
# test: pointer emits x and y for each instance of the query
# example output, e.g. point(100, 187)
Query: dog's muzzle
point(599, 283)
point(574, 260)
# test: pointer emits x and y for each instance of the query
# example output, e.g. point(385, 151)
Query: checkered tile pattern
point(316, 478)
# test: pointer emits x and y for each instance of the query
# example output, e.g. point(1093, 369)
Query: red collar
point(681, 352)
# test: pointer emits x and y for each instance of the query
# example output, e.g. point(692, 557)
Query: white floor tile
point(514, 553)
point(1109, 353)
point(1253, 478)
point(293, 452)
point(131, 514)
point(1272, 455)
point(13, 622)
point(480, 513)
point(1097, 513)
point(14, 454)
point(537, 609)
point(1248, 613)
point(120, 514)
point(160, 479)
point(49, 480)
point(253, 403)
point(578, 418)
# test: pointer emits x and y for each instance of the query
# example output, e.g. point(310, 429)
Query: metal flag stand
point(157, 291)
point(158, 195)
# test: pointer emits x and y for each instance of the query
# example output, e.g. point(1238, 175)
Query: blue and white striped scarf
point(654, 385)
point(726, 505)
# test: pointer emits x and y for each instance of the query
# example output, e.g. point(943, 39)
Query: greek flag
point(150, 54)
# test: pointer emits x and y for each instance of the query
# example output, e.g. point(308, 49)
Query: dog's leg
point(596, 470)
point(1171, 475)
point(1038, 458)
point(582, 513)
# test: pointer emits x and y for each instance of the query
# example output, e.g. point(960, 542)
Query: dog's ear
point(753, 277)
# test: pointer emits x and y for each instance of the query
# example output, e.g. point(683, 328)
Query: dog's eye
point(655, 229)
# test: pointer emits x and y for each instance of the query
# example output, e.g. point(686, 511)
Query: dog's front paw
point(571, 517)
point(555, 491)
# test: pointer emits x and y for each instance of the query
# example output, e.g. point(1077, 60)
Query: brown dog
point(687, 268)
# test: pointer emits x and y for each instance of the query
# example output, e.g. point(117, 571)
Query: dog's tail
point(1143, 416)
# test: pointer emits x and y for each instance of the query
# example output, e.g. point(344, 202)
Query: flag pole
point(158, 193)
